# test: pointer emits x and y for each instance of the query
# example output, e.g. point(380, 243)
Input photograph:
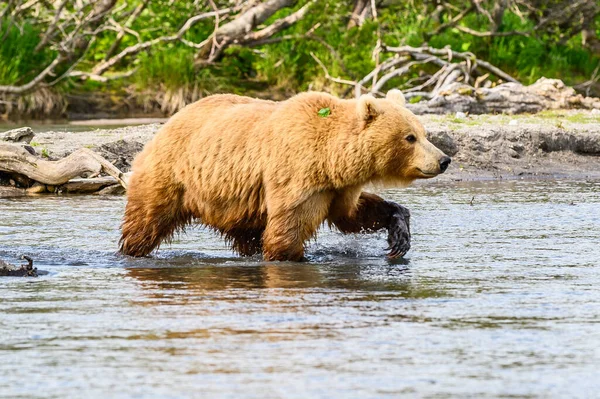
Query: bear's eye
point(411, 138)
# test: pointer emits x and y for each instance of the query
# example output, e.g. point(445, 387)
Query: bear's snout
point(444, 163)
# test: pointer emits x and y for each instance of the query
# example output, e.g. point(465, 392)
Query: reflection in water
point(352, 276)
point(497, 298)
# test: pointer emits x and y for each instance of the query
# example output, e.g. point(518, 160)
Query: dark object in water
point(27, 270)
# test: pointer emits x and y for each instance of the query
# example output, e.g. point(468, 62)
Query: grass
point(556, 118)
point(18, 58)
point(570, 116)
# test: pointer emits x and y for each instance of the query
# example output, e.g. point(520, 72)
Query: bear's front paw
point(399, 233)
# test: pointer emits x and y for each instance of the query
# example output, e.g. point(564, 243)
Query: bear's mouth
point(427, 174)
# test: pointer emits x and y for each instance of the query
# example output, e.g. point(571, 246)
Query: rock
point(586, 143)
point(121, 153)
point(509, 98)
point(460, 115)
point(30, 149)
point(20, 135)
point(513, 122)
point(444, 142)
point(115, 189)
point(518, 147)
point(37, 188)
point(26, 270)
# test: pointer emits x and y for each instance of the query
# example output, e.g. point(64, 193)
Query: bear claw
point(399, 233)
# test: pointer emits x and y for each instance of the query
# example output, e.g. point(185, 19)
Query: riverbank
point(549, 144)
point(557, 144)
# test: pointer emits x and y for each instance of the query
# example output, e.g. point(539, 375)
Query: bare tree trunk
point(498, 13)
point(136, 13)
point(360, 12)
point(94, 20)
point(239, 27)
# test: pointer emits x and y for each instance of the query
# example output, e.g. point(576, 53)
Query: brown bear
point(267, 174)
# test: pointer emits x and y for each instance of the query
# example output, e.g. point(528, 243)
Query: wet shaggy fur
point(267, 174)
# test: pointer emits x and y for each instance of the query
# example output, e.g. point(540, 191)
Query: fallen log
point(9, 191)
point(86, 186)
point(83, 162)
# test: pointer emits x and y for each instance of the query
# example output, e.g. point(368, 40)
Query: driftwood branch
point(453, 67)
point(447, 52)
point(84, 162)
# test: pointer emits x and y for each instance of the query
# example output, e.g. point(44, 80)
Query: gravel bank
point(556, 144)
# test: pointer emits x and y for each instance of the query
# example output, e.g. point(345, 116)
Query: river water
point(497, 298)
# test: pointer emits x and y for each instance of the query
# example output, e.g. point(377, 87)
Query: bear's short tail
point(152, 215)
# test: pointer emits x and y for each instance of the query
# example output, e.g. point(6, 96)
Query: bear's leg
point(246, 242)
point(288, 229)
point(151, 216)
point(283, 238)
point(373, 213)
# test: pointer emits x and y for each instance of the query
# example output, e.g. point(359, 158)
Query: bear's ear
point(367, 107)
point(396, 96)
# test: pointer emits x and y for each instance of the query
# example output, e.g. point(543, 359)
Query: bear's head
point(398, 138)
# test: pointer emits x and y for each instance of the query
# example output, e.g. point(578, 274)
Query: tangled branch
point(72, 26)
point(453, 66)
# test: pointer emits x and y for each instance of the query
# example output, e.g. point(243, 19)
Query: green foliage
point(18, 58)
point(287, 65)
point(172, 66)
point(526, 57)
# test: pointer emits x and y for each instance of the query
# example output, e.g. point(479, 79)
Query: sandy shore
point(553, 144)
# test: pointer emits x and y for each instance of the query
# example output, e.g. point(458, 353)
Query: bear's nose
point(444, 162)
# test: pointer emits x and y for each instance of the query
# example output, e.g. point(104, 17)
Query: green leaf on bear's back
point(324, 112)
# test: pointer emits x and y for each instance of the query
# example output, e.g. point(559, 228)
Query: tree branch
point(136, 13)
point(101, 68)
point(240, 27)
point(328, 76)
point(276, 26)
point(35, 81)
point(491, 33)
